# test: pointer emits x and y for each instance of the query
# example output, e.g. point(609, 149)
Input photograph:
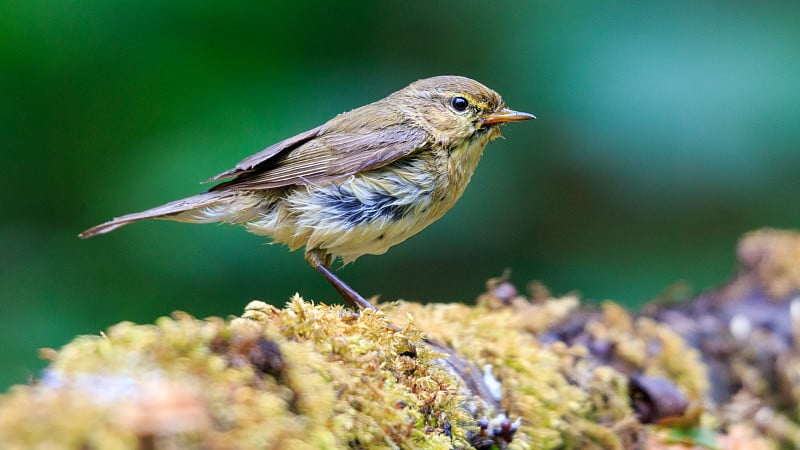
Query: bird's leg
point(321, 261)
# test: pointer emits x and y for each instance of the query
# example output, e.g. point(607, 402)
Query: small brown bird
point(364, 181)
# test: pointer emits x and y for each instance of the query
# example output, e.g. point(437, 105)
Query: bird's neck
point(462, 161)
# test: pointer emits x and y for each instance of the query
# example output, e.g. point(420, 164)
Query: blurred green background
point(665, 131)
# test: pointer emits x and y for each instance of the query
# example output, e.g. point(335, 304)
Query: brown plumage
point(362, 182)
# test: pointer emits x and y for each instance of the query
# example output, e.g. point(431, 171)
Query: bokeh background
point(665, 131)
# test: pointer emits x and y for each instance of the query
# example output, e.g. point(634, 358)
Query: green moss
point(302, 377)
point(315, 376)
point(551, 387)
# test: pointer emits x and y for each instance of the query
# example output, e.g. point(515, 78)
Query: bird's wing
point(248, 164)
point(321, 155)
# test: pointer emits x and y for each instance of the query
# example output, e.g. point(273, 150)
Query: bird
point(364, 181)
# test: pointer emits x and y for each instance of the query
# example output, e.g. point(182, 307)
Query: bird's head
point(454, 109)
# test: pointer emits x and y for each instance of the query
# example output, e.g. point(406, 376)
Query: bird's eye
point(459, 104)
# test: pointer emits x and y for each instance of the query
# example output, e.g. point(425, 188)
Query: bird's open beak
point(506, 115)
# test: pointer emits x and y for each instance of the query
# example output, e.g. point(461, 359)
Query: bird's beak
point(506, 115)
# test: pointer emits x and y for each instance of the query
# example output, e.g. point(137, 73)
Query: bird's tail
point(202, 208)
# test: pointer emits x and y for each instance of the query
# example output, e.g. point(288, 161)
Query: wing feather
point(248, 164)
point(321, 155)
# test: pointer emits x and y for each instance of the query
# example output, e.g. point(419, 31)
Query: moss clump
point(772, 256)
point(533, 384)
point(566, 395)
point(644, 346)
point(315, 376)
point(301, 377)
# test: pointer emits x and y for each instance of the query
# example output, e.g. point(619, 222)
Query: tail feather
point(168, 210)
